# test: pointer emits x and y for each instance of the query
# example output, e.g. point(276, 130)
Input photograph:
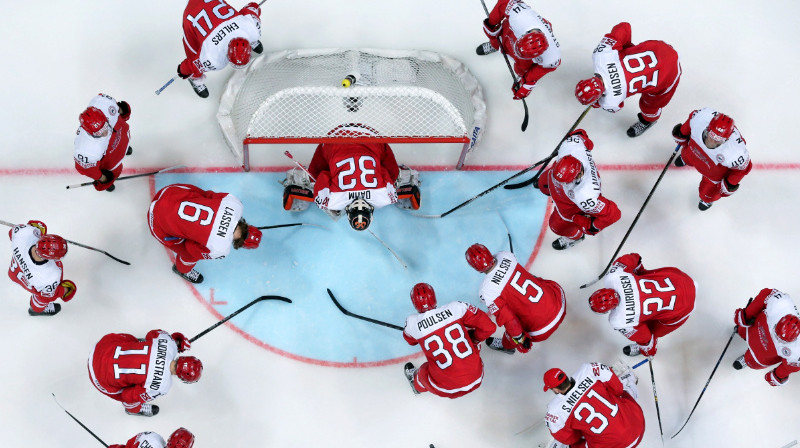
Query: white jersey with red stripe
point(41, 278)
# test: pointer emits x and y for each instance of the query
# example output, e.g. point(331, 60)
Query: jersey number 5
point(203, 14)
point(523, 288)
point(458, 346)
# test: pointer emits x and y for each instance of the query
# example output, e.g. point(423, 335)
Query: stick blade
point(420, 215)
point(280, 298)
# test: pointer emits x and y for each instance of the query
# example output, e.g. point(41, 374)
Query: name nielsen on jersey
point(502, 270)
point(434, 319)
point(576, 395)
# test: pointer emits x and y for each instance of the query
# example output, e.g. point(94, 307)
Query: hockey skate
point(298, 190)
point(50, 310)
point(148, 410)
point(639, 127)
point(631, 350)
point(129, 151)
point(408, 193)
point(703, 206)
point(258, 49)
point(739, 363)
point(565, 243)
point(485, 48)
point(408, 371)
point(199, 86)
point(191, 276)
point(679, 162)
point(497, 344)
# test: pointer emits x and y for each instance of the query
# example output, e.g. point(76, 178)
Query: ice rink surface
point(736, 56)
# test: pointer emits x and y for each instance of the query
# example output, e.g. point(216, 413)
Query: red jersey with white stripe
point(596, 409)
point(454, 360)
point(650, 67)
point(519, 300)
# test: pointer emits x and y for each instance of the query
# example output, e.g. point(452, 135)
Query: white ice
point(737, 56)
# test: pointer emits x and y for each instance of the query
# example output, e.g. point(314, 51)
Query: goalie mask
point(359, 214)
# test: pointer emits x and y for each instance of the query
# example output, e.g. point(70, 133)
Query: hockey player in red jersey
point(771, 325)
point(712, 144)
point(623, 69)
point(645, 304)
point(135, 371)
point(199, 225)
point(527, 38)
point(36, 266)
point(574, 184)
point(102, 140)
point(595, 407)
point(214, 33)
point(355, 178)
point(530, 308)
point(450, 337)
point(180, 438)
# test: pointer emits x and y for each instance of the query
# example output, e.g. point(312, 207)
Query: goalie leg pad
point(298, 177)
point(408, 197)
point(407, 176)
point(296, 198)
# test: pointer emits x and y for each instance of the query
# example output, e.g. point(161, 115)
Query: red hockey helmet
point(554, 378)
point(479, 257)
point(422, 297)
point(587, 91)
point(531, 45)
point(603, 300)
point(720, 128)
point(181, 438)
point(567, 169)
point(51, 247)
point(188, 369)
point(239, 52)
point(253, 238)
point(788, 328)
point(92, 120)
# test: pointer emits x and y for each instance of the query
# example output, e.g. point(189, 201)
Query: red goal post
point(405, 96)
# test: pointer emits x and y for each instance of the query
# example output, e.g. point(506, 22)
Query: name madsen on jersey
point(434, 319)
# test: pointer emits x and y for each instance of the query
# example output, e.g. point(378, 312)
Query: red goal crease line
point(786, 166)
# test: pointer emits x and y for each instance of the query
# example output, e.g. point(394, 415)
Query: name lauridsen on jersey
point(434, 319)
point(630, 298)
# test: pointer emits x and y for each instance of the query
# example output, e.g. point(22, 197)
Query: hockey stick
point(79, 422)
point(289, 225)
point(299, 165)
point(130, 177)
point(708, 381)
point(348, 313)
point(655, 397)
point(405, 266)
point(636, 219)
point(6, 223)
point(553, 154)
point(262, 298)
point(513, 76)
point(788, 445)
point(158, 92)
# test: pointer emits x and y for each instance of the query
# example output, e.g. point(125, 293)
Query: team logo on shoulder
point(571, 194)
point(786, 352)
point(720, 158)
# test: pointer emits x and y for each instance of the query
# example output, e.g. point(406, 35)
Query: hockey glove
point(69, 290)
point(180, 74)
point(475, 341)
point(124, 110)
point(252, 9)
point(740, 319)
point(490, 30)
point(679, 138)
point(586, 141)
point(523, 343)
point(726, 188)
point(181, 341)
point(39, 225)
point(586, 223)
point(775, 380)
point(650, 349)
point(116, 446)
point(522, 91)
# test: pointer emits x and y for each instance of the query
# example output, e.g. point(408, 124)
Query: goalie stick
point(535, 178)
point(6, 223)
point(262, 298)
point(299, 165)
point(130, 177)
point(357, 316)
point(513, 76)
point(78, 421)
point(636, 219)
point(405, 266)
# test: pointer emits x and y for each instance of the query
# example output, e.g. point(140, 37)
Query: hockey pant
point(423, 384)
point(651, 104)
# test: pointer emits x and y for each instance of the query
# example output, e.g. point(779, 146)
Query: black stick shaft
point(636, 219)
point(6, 223)
point(655, 397)
point(203, 333)
point(132, 176)
point(79, 422)
point(280, 225)
point(368, 319)
point(707, 382)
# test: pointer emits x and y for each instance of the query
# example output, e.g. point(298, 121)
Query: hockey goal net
point(404, 96)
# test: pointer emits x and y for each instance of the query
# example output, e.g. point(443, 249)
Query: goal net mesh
point(404, 96)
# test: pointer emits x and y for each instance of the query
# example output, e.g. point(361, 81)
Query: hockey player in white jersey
point(36, 266)
point(102, 140)
point(180, 438)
